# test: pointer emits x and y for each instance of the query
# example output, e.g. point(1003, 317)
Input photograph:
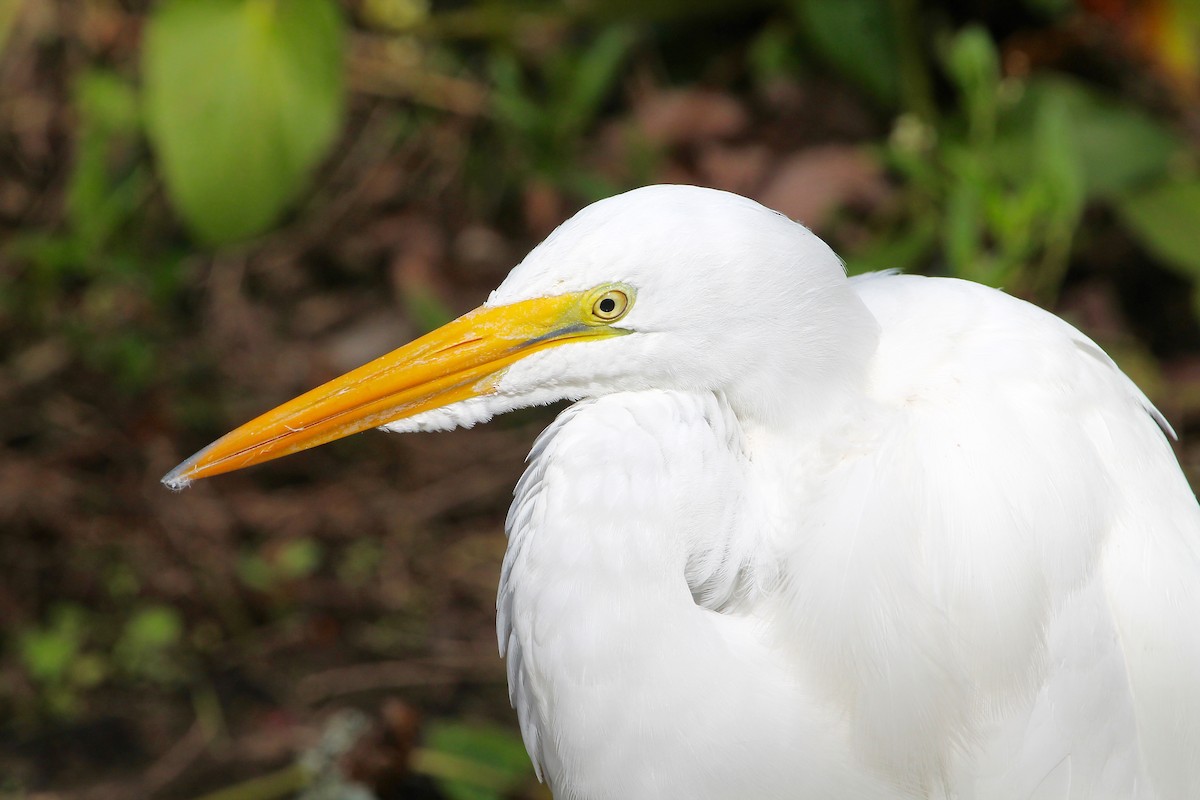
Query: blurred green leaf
point(128, 357)
point(1166, 218)
point(1119, 146)
point(292, 560)
point(153, 627)
point(49, 652)
point(774, 53)
point(1059, 193)
point(473, 762)
point(147, 646)
point(106, 100)
point(963, 224)
point(858, 37)
point(299, 558)
point(106, 182)
point(254, 571)
point(1058, 162)
point(55, 658)
point(589, 80)
point(243, 97)
point(544, 116)
point(510, 100)
point(395, 15)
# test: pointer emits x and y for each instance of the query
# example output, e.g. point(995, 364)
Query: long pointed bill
point(460, 360)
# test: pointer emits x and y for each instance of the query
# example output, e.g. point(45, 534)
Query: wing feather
point(923, 588)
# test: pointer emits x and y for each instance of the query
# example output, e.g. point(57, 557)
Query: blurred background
point(209, 206)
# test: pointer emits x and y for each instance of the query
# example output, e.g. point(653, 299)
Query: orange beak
point(462, 359)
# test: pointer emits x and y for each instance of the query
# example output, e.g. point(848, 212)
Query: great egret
point(806, 536)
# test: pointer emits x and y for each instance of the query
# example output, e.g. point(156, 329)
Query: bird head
point(665, 287)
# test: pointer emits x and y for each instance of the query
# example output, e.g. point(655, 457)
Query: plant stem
point(916, 92)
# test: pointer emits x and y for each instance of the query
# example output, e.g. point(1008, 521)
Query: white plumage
point(807, 536)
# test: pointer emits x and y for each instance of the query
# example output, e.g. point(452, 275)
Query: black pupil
point(608, 305)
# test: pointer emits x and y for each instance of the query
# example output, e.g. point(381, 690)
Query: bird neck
point(810, 373)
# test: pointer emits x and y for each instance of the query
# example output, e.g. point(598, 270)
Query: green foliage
point(243, 97)
point(1120, 147)
point(267, 571)
point(1009, 222)
point(106, 188)
point(774, 53)
point(396, 15)
point(54, 658)
point(299, 558)
point(147, 645)
point(1166, 217)
point(543, 119)
point(359, 562)
point(76, 651)
point(859, 38)
point(1006, 177)
point(49, 651)
point(98, 201)
point(1004, 212)
point(89, 281)
point(467, 762)
point(474, 762)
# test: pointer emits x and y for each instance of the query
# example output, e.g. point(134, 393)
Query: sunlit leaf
point(243, 97)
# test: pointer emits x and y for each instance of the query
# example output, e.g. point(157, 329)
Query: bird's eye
point(610, 306)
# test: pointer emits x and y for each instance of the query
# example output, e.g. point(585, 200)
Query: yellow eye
point(610, 306)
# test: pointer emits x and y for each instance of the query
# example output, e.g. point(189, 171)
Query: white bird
point(805, 536)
